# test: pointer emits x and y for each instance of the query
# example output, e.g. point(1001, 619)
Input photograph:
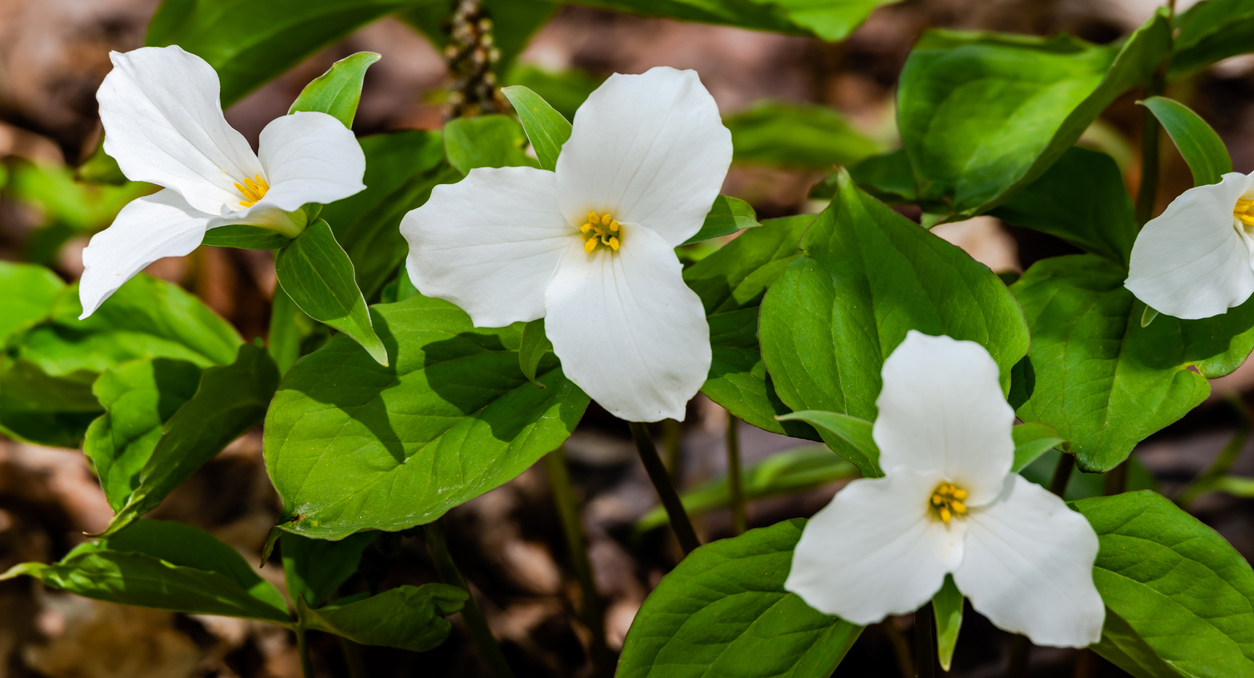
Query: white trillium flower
point(1195, 259)
point(164, 125)
point(590, 246)
point(948, 504)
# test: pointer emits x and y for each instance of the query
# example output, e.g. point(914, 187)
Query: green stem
point(1020, 650)
point(302, 647)
point(673, 439)
point(924, 648)
point(680, 522)
point(353, 659)
point(1151, 134)
point(572, 525)
point(734, 478)
point(476, 625)
point(1116, 480)
point(1062, 475)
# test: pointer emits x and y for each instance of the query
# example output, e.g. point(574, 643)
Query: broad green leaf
point(337, 91)
point(29, 291)
point(353, 446)
point(783, 473)
point(250, 43)
point(401, 170)
point(229, 401)
point(804, 136)
point(831, 20)
point(290, 328)
point(1200, 146)
point(535, 344)
point(947, 607)
point(853, 431)
point(1031, 441)
point(315, 568)
point(408, 617)
point(547, 129)
point(1182, 598)
point(1081, 199)
point(245, 237)
point(983, 114)
point(564, 91)
point(723, 611)
point(1210, 32)
point(731, 283)
point(318, 276)
point(869, 276)
point(727, 216)
point(1084, 485)
point(164, 565)
point(886, 176)
point(80, 208)
point(485, 141)
point(514, 22)
point(1103, 381)
point(42, 409)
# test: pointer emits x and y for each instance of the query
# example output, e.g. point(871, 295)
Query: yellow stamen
point(946, 501)
point(614, 244)
point(602, 230)
point(590, 245)
point(253, 190)
point(1244, 211)
point(605, 219)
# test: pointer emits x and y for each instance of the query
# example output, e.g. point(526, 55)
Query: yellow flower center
point(253, 190)
point(946, 501)
point(600, 230)
point(1244, 211)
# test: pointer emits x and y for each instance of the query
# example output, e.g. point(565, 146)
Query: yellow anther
point(1244, 211)
point(614, 244)
point(945, 515)
point(613, 227)
point(590, 245)
point(252, 189)
point(959, 493)
point(585, 228)
point(946, 501)
point(593, 217)
point(602, 230)
point(606, 219)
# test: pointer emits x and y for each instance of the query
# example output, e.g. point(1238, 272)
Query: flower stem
point(1151, 133)
point(1020, 649)
point(576, 541)
point(1062, 474)
point(476, 625)
point(673, 440)
point(680, 522)
point(302, 647)
point(353, 659)
point(1116, 480)
point(924, 642)
point(734, 478)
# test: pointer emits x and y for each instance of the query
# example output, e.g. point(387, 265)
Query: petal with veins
point(309, 157)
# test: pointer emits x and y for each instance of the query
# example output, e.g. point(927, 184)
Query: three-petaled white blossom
point(590, 247)
point(1196, 259)
point(949, 504)
point(164, 125)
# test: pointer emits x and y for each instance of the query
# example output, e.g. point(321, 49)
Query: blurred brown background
point(53, 54)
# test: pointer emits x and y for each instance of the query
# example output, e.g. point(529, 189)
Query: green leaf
point(1103, 381)
point(535, 344)
point(1209, 32)
point(337, 91)
point(947, 607)
point(1031, 441)
point(164, 565)
point(784, 473)
point(289, 328)
point(354, 446)
point(46, 410)
point(250, 43)
point(803, 136)
point(887, 177)
point(1084, 485)
point(731, 283)
point(401, 170)
point(229, 401)
point(852, 430)
point(408, 617)
point(831, 20)
point(984, 114)
point(1081, 199)
point(29, 292)
point(1179, 599)
point(485, 141)
point(318, 275)
point(564, 91)
point(727, 216)
point(315, 568)
point(245, 237)
point(545, 127)
point(1200, 146)
point(723, 611)
point(869, 276)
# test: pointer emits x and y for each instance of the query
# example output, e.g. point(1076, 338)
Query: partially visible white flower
point(948, 504)
point(164, 125)
point(1194, 260)
point(590, 247)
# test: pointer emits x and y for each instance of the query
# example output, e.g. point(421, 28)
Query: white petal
point(1191, 262)
point(628, 330)
point(147, 229)
point(163, 124)
point(875, 550)
point(1028, 567)
point(942, 409)
point(309, 157)
point(489, 243)
point(650, 149)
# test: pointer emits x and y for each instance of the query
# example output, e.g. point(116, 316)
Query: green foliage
point(723, 611)
point(318, 276)
point(947, 607)
point(1179, 599)
point(564, 90)
point(1031, 441)
point(1210, 32)
point(535, 344)
point(860, 447)
point(29, 293)
point(830, 20)
point(983, 115)
point(1200, 146)
point(547, 129)
point(1084, 485)
point(869, 276)
point(727, 216)
point(315, 568)
point(408, 617)
point(337, 91)
point(351, 445)
point(485, 141)
point(804, 136)
point(245, 237)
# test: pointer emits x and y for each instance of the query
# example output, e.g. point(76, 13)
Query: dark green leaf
point(485, 141)
point(887, 177)
point(804, 136)
point(983, 115)
point(723, 611)
point(315, 568)
point(535, 344)
point(830, 20)
point(1031, 441)
point(408, 617)
point(545, 127)
point(869, 276)
point(1084, 485)
point(855, 432)
point(947, 606)
point(318, 275)
point(43, 409)
point(727, 216)
point(353, 446)
point(289, 327)
point(245, 237)
point(1210, 32)
point(1200, 146)
point(337, 91)
point(1182, 598)
point(564, 91)
point(1103, 381)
